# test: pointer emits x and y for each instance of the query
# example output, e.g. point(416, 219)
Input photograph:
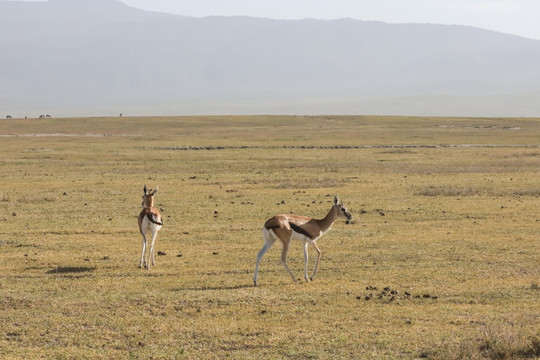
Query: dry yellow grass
point(456, 227)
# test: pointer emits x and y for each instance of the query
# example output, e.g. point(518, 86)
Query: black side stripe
point(299, 230)
point(151, 218)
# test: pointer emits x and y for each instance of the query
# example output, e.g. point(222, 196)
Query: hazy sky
point(519, 17)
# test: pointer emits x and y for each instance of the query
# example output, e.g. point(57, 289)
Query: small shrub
point(495, 342)
point(535, 346)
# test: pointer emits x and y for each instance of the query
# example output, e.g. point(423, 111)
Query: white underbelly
point(300, 237)
point(149, 226)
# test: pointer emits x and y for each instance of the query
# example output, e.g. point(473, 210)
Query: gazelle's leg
point(268, 242)
point(153, 253)
point(284, 259)
point(261, 253)
point(151, 256)
point(306, 256)
point(143, 262)
point(317, 261)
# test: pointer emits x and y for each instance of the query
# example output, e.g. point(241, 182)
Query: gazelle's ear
point(336, 200)
point(144, 189)
point(155, 191)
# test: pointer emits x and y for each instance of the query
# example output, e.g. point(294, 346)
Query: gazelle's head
point(341, 210)
point(148, 197)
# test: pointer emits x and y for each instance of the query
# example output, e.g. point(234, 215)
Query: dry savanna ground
point(442, 260)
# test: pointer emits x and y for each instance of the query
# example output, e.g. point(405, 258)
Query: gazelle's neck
point(326, 222)
point(148, 203)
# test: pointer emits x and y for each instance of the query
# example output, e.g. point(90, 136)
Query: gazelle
point(149, 221)
point(285, 228)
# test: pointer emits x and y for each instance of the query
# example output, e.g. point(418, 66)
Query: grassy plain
point(456, 227)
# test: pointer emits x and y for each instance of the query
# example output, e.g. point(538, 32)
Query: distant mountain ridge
point(102, 57)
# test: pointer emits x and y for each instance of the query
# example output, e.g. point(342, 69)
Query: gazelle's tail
point(150, 217)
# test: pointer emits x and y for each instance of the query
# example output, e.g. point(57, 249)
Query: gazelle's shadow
point(204, 288)
point(70, 270)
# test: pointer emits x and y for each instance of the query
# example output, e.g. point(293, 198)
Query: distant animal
point(48, 116)
point(120, 114)
point(286, 227)
point(150, 221)
point(9, 117)
point(42, 116)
